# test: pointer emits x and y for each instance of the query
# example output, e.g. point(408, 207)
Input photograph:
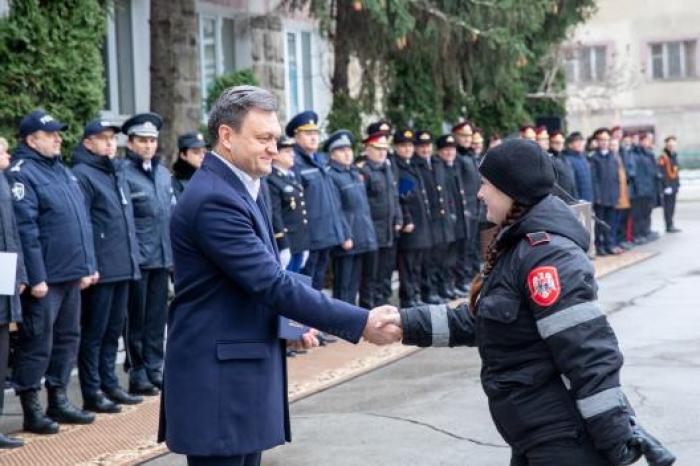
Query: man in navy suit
point(225, 385)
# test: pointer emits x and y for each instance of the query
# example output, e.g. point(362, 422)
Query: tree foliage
point(50, 55)
point(223, 82)
point(441, 60)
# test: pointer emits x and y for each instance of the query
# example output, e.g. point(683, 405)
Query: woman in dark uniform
point(551, 363)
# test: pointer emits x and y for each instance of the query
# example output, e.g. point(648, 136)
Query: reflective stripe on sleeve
point(568, 318)
point(601, 402)
point(438, 324)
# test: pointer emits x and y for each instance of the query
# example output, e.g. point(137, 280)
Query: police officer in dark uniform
point(415, 238)
point(325, 224)
point(10, 308)
point(107, 196)
point(458, 208)
point(191, 148)
point(290, 219)
point(152, 198)
point(550, 361)
point(58, 251)
point(469, 250)
point(383, 196)
point(566, 182)
point(645, 189)
point(433, 289)
point(606, 192)
point(356, 217)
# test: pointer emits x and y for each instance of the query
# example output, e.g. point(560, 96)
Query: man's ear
point(225, 136)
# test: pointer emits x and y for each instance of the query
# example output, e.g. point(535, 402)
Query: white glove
point(285, 257)
point(668, 191)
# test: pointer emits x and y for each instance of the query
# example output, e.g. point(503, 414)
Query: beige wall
point(629, 96)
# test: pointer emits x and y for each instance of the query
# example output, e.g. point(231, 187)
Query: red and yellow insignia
point(544, 285)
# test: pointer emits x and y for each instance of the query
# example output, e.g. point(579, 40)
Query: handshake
point(383, 326)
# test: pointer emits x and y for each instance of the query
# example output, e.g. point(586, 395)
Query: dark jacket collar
point(82, 155)
point(25, 152)
point(183, 170)
point(217, 166)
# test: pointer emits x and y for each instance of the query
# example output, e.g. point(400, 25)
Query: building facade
point(635, 64)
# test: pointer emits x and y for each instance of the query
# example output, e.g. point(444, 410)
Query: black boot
point(62, 410)
point(143, 388)
point(35, 420)
point(119, 396)
point(10, 442)
point(99, 403)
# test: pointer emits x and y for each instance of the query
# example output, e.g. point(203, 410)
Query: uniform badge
point(288, 189)
point(544, 285)
point(18, 191)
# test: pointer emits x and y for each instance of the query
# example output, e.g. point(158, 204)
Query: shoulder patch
point(537, 238)
point(17, 167)
point(17, 191)
point(544, 285)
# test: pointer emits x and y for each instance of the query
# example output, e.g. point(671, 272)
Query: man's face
point(557, 143)
point(253, 147)
point(284, 158)
point(424, 151)
point(498, 204)
point(375, 154)
point(464, 137)
point(405, 150)
point(4, 158)
point(543, 143)
point(103, 144)
point(614, 145)
point(448, 154)
point(671, 145)
point(626, 141)
point(478, 147)
point(194, 156)
point(47, 144)
point(617, 134)
point(576, 145)
point(342, 155)
point(603, 141)
point(308, 140)
point(647, 142)
point(143, 146)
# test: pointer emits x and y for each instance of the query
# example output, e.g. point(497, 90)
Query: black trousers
point(251, 459)
point(432, 278)
point(641, 216)
point(474, 249)
point(410, 265)
point(579, 452)
point(102, 320)
point(316, 267)
point(669, 209)
point(603, 239)
point(346, 277)
point(145, 334)
point(49, 335)
point(377, 267)
point(4, 357)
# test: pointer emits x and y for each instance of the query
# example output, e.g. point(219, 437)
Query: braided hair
point(494, 251)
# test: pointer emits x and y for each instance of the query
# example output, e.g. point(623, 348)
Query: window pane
point(208, 57)
point(307, 67)
point(600, 63)
point(690, 51)
point(570, 57)
point(657, 61)
point(125, 56)
point(673, 49)
point(292, 74)
point(105, 75)
point(585, 65)
point(228, 45)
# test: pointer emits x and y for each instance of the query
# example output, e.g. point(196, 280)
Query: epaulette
point(538, 237)
point(17, 167)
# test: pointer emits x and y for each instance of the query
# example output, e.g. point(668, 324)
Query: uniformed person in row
point(290, 217)
point(383, 197)
point(356, 217)
point(458, 203)
point(668, 164)
point(152, 199)
point(478, 143)
point(415, 238)
point(325, 224)
point(433, 289)
point(565, 187)
point(10, 307)
point(542, 138)
point(469, 250)
point(57, 241)
point(104, 305)
point(191, 148)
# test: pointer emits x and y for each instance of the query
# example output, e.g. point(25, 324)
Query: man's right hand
point(86, 281)
point(347, 245)
point(39, 290)
point(383, 326)
point(409, 228)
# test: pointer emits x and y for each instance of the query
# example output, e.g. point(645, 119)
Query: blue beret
point(303, 121)
point(39, 120)
point(143, 124)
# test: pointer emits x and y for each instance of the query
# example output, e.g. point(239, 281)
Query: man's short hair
point(233, 105)
point(669, 138)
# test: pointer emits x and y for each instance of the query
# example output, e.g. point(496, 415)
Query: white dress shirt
point(251, 184)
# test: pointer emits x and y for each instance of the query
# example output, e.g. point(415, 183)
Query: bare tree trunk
point(175, 87)
point(341, 49)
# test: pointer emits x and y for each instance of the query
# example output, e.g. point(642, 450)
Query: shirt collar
point(251, 184)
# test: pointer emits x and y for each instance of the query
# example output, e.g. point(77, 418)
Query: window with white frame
point(300, 94)
point(216, 49)
point(673, 60)
point(587, 64)
point(118, 56)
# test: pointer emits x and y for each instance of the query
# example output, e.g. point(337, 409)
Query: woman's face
point(498, 204)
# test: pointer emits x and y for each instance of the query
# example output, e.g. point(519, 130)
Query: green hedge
point(50, 56)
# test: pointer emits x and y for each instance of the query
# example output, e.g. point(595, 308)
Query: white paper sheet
point(8, 273)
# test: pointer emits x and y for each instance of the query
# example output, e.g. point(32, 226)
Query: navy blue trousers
point(251, 459)
point(102, 320)
point(49, 336)
point(316, 267)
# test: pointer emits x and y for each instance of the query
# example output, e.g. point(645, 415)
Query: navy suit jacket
point(225, 389)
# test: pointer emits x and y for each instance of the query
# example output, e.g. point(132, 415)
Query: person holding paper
point(13, 279)
point(225, 380)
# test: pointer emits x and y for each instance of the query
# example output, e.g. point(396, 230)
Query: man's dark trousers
point(49, 335)
point(251, 459)
point(103, 316)
point(669, 209)
point(316, 266)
